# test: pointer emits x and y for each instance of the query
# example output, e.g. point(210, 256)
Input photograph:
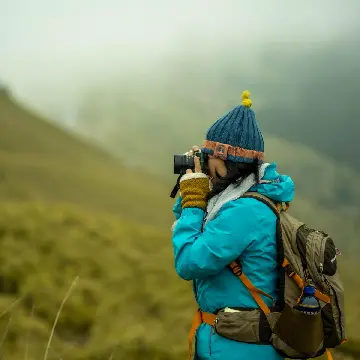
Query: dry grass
point(58, 315)
point(9, 308)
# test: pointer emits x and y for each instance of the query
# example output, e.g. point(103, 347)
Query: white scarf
point(232, 192)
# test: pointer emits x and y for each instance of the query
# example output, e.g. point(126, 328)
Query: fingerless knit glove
point(194, 188)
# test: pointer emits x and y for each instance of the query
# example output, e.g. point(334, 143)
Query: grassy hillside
point(126, 286)
point(72, 215)
point(68, 210)
point(127, 302)
point(41, 162)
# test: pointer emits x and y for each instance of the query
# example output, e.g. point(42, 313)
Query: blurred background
point(97, 96)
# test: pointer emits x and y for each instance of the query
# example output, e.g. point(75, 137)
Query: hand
point(195, 148)
point(197, 164)
point(194, 186)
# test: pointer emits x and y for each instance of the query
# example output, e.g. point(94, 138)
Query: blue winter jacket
point(243, 229)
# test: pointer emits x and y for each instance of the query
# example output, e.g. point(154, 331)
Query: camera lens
point(182, 163)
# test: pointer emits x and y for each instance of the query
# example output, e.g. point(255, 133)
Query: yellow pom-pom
point(246, 101)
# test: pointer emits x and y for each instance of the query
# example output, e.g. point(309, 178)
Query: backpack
point(305, 256)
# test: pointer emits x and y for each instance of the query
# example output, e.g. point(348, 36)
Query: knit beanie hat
point(236, 136)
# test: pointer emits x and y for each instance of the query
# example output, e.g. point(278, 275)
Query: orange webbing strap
point(328, 353)
point(254, 291)
point(199, 318)
point(325, 298)
point(300, 283)
point(298, 280)
point(255, 294)
point(282, 207)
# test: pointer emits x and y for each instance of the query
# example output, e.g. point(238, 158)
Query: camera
point(184, 162)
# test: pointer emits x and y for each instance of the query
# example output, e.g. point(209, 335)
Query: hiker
point(215, 226)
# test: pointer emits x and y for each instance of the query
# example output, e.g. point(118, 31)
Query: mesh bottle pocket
point(301, 332)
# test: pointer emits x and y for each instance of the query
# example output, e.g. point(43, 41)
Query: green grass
point(127, 292)
point(127, 298)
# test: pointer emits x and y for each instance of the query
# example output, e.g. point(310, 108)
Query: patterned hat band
point(228, 152)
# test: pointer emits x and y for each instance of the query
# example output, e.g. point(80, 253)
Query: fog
point(144, 80)
point(52, 51)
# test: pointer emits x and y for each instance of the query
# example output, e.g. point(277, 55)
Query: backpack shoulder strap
point(235, 267)
point(264, 199)
point(283, 264)
point(280, 249)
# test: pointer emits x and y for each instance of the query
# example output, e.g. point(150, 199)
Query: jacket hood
point(275, 186)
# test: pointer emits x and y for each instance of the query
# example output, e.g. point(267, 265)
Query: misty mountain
point(40, 162)
point(301, 66)
point(321, 109)
point(304, 94)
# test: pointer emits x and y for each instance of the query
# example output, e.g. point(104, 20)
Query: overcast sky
point(51, 49)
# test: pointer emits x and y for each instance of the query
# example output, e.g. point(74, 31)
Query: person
point(215, 225)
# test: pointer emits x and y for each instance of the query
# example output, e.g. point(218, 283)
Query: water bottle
point(308, 303)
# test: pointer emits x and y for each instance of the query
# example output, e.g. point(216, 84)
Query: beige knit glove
point(194, 188)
